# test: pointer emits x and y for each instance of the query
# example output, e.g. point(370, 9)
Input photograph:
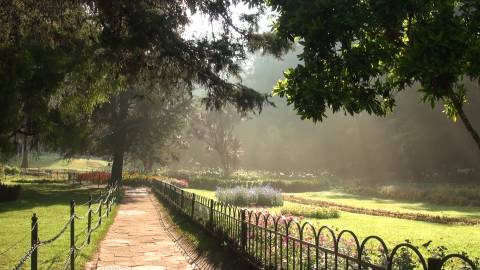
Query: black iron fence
point(105, 203)
point(279, 242)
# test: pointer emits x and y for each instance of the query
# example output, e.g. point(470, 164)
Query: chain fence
point(105, 201)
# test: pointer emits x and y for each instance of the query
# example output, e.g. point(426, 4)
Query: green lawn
point(391, 205)
point(50, 202)
point(395, 231)
point(54, 161)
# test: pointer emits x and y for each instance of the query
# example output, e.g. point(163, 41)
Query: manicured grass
point(391, 205)
point(51, 203)
point(394, 231)
point(53, 161)
point(205, 193)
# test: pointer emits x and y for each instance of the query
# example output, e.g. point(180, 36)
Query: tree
point(358, 55)
point(42, 45)
point(106, 46)
point(146, 36)
point(215, 128)
point(152, 124)
point(162, 121)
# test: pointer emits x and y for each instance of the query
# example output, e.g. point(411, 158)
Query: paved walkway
point(137, 240)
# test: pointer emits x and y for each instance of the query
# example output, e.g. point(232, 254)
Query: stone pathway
point(137, 240)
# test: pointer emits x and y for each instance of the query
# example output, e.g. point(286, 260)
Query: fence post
point(193, 204)
point(434, 264)
point(34, 242)
point(243, 230)
point(72, 235)
point(210, 222)
point(100, 213)
point(108, 205)
point(181, 200)
point(89, 217)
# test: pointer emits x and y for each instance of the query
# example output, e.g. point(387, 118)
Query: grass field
point(391, 205)
point(456, 238)
point(51, 203)
point(54, 161)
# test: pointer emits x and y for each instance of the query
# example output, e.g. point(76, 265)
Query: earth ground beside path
point(137, 240)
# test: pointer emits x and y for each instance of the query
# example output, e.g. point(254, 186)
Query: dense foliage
point(11, 170)
point(212, 179)
point(308, 211)
point(254, 196)
point(9, 192)
point(357, 55)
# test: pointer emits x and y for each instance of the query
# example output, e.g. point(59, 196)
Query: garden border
point(276, 243)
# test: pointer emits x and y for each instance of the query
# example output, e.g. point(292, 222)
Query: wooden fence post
point(434, 264)
point(72, 235)
point(243, 230)
point(34, 242)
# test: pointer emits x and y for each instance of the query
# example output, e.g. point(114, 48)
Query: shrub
point(253, 196)
point(310, 211)
point(180, 183)
point(211, 179)
point(9, 192)
point(12, 170)
point(212, 183)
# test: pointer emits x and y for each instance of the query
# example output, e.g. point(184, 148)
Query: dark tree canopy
point(62, 62)
point(358, 54)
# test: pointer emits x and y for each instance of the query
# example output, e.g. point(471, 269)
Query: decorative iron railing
point(105, 202)
point(276, 242)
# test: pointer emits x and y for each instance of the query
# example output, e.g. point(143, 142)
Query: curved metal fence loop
point(271, 242)
point(407, 246)
point(463, 258)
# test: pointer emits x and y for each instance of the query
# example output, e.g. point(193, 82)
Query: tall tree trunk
point(117, 166)
point(467, 124)
point(120, 138)
point(24, 152)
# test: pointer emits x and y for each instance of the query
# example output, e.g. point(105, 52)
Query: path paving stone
point(136, 240)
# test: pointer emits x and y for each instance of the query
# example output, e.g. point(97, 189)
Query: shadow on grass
point(42, 195)
point(214, 250)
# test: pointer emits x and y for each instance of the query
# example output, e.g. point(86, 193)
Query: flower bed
point(253, 196)
point(97, 177)
point(180, 183)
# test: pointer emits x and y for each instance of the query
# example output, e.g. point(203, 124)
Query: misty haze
point(246, 134)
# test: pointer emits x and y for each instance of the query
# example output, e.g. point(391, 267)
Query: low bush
point(308, 211)
point(253, 196)
point(210, 183)
point(180, 183)
point(12, 170)
point(211, 179)
point(9, 192)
